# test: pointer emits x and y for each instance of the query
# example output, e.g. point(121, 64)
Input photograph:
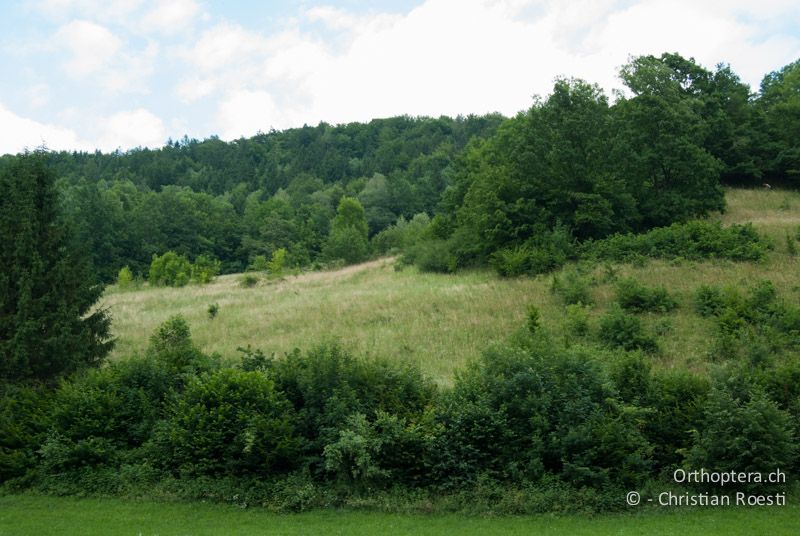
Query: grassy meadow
point(45, 516)
point(442, 321)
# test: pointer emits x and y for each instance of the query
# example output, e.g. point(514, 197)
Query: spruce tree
point(48, 326)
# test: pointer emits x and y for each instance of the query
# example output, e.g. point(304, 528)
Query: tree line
point(655, 155)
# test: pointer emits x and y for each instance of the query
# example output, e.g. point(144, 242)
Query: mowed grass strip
point(440, 322)
point(58, 516)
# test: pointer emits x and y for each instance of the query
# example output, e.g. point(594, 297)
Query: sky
point(119, 74)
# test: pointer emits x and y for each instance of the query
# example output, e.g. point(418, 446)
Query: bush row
point(549, 249)
point(323, 427)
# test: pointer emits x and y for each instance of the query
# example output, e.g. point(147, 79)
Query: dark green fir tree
point(48, 323)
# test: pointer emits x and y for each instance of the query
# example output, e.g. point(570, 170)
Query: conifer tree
point(48, 326)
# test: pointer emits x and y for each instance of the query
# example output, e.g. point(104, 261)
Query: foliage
point(49, 325)
point(170, 269)
point(348, 239)
point(708, 301)
point(276, 263)
point(432, 255)
point(259, 263)
point(205, 269)
point(621, 330)
point(577, 319)
point(327, 385)
point(518, 413)
point(751, 435)
point(227, 422)
point(213, 310)
point(635, 297)
point(692, 240)
point(533, 322)
point(248, 280)
point(125, 278)
point(25, 415)
point(573, 288)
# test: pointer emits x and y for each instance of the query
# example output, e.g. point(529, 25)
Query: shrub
point(791, 245)
point(125, 278)
point(213, 310)
point(100, 418)
point(534, 323)
point(518, 414)
point(24, 421)
point(676, 399)
point(512, 261)
point(205, 269)
point(170, 269)
point(742, 435)
point(385, 452)
point(431, 256)
point(632, 296)
point(577, 319)
point(546, 251)
point(327, 385)
point(348, 244)
point(276, 264)
point(259, 263)
point(573, 288)
point(691, 240)
point(172, 345)
point(248, 280)
point(621, 330)
point(708, 301)
point(227, 422)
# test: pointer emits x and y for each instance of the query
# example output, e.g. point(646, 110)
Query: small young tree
point(276, 263)
point(125, 277)
point(48, 327)
point(348, 239)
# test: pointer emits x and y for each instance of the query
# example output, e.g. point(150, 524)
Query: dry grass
point(442, 321)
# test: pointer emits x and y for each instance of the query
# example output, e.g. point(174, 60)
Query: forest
point(573, 161)
point(578, 405)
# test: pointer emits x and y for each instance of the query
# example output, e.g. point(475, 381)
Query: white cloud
point(244, 113)
point(135, 128)
point(38, 95)
point(91, 46)
point(470, 56)
point(20, 133)
point(130, 71)
point(171, 17)
point(117, 11)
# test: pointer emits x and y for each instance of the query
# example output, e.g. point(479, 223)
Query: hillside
point(442, 321)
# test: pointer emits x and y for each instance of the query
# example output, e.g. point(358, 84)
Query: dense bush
point(691, 240)
point(170, 269)
point(227, 422)
point(573, 287)
point(102, 415)
point(621, 330)
point(708, 301)
point(751, 435)
point(520, 413)
point(544, 252)
point(205, 269)
point(25, 416)
point(757, 322)
point(635, 297)
point(431, 256)
point(327, 385)
point(124, 278)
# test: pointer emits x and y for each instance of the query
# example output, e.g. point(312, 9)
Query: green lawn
point(43, 516)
